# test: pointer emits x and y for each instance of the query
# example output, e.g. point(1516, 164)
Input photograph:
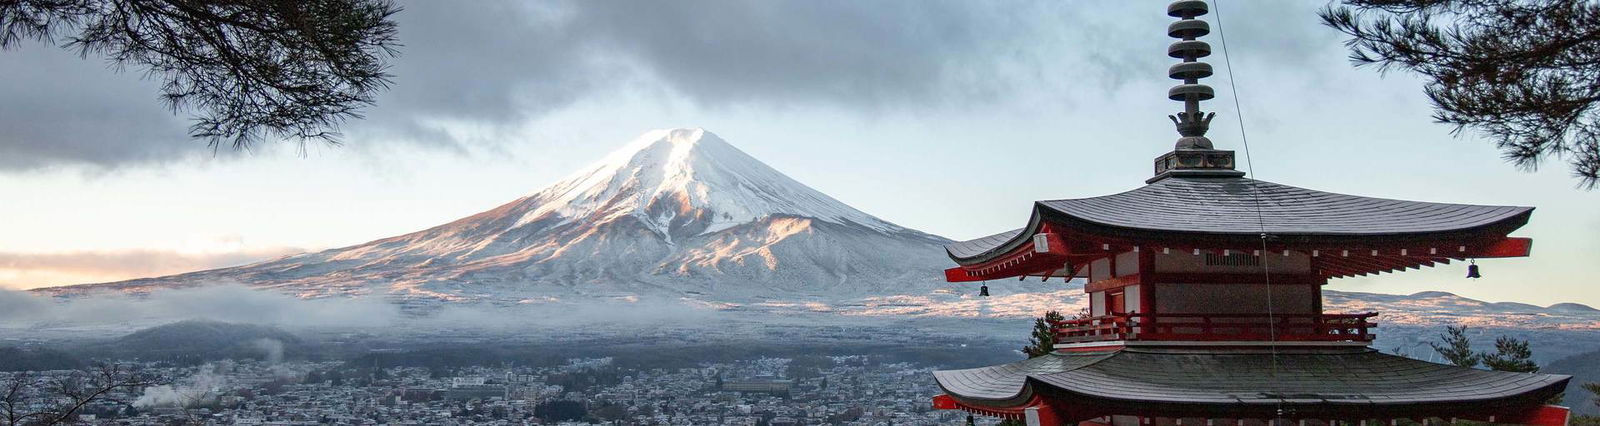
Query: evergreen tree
point(249, 70)
point(1511, 355)
point(1456, 347)
point(1520, 72)
point(1044, 337)
point(1593, 388)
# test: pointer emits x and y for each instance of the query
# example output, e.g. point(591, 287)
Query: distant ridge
point(1439, 307)
point(1572, 307)
point(201, 339)
point(1565, 307)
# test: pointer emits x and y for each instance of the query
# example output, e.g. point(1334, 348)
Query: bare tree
point(30, 399)
point(1524, 73)
point(246, 69)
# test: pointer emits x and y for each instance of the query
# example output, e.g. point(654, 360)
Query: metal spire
point(1192, 123)
point(1193, 155)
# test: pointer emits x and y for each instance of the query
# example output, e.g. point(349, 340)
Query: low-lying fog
point(936, 318)
point(28, 315)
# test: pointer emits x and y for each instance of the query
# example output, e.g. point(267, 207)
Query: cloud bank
point(28, 313)
point(228, 303)
point(497, 65)
point(500, 63)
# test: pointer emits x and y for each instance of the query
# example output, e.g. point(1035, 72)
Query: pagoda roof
point(1218, 382)
point(1225, 209)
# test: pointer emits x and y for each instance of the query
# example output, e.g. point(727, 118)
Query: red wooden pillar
point(1147, 286)
point(1041, 414)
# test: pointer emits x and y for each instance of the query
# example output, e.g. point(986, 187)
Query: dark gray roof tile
point(1335, 377)
point(1229, 206)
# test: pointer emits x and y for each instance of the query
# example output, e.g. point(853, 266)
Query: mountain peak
point(679, 138)
point(673, 153)
point(687, 179)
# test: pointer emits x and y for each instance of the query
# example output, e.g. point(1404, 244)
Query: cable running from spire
point(1261, 222)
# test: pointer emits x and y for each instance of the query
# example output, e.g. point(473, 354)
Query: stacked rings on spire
point(1189, 50)
point(1187, 9)
point(1192, 124)
point(1189, 71)
point(1188, 29)
point(1184, 92)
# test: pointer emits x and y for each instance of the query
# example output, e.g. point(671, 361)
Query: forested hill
point(1584, 368)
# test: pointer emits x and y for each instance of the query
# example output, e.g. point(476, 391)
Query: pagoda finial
point(1194, 154)
point(1192, 123)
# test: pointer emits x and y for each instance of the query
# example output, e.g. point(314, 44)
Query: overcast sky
point(958, 114)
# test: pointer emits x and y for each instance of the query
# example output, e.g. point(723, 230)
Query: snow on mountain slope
point(675, 212)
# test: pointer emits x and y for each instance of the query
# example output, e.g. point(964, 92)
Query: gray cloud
point(505, 62)
point(855, 53)
point(58, 108)
point(498, 64)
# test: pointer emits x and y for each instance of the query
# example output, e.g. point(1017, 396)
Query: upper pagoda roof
point(1228, 383)
point(1222, 209)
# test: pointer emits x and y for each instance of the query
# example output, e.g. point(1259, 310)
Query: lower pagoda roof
point(1225, 209)
point(1224, 383)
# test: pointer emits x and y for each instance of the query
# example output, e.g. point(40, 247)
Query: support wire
point(1261, 222)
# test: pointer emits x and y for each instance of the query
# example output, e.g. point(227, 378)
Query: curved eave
point(1018, 399)
point(1491, 230)
point(1199, 220)
point(1309, 385)
point(1007, 385)
point(980, 249)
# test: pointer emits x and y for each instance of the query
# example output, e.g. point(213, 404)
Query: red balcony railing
point(1219, 327)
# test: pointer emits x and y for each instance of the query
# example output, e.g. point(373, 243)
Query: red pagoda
point(1206, 303)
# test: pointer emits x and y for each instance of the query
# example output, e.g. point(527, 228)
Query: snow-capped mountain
point(675, 212)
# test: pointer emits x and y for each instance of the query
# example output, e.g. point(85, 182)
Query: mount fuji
point(676, 212)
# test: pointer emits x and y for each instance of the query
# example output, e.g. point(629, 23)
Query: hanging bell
point(983, 291)
point(1472, 270)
